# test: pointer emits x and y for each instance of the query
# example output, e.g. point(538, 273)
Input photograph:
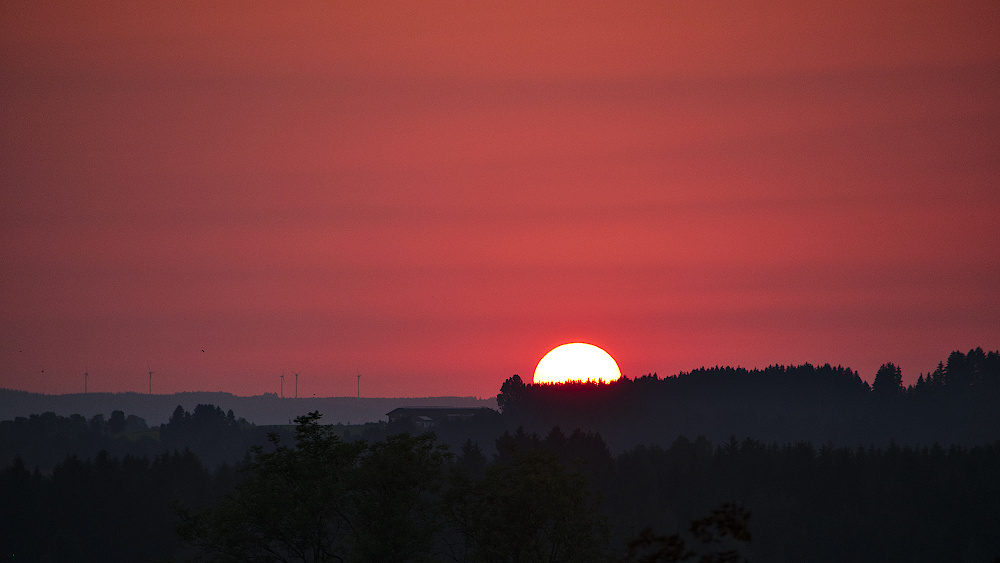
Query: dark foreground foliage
point(518, 488)
point(554, 498)
point(398, 500)
point(102, 509)
point(821, 504)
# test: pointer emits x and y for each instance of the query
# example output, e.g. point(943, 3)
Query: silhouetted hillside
point(259, 409)
point(956, 404)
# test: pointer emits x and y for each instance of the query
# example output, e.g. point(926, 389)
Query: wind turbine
point(359, 385)
point(282, 385)
point(151, 372)
point(85, 375)
point(296, 386)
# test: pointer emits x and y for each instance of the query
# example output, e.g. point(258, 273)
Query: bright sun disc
point(577, 362)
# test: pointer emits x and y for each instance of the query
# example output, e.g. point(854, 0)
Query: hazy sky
point(434, 194)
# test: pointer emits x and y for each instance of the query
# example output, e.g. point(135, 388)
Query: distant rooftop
point(428, 417)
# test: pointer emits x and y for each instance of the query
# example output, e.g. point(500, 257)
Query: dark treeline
point(46, 439)
point(829, 468)
point(808, 504)
point(825, 504)
point(562, 493)
point(265, 409)
point(323, 498)
point(105, 508)
point(955, 404)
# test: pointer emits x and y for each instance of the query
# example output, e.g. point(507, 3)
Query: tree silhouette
point(472, 460)
point(293, 504)
point(117, 422)
point(395, 499)
point(888, 383)
point(528, 509)
point(513, 394)
point(721, 533)
point(325, 500)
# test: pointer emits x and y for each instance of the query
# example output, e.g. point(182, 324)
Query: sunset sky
point(435, 194)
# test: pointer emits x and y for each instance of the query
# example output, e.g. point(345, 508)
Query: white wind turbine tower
point(85, 376)
point(282, 385)
point(296, 385)
point(151, 372)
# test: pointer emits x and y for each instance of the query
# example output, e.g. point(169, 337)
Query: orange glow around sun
point(576, 362)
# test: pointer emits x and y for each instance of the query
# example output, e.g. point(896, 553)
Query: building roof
point(435, 412)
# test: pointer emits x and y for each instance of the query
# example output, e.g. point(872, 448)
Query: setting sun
point(577, 362)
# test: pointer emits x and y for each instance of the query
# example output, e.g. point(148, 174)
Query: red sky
point(436, 194)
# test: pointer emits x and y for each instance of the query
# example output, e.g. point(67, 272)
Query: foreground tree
point(293, 505)
point(721, 534)
point(397, 512)
point(323, 500)
point(400, 499)
point(528, 509)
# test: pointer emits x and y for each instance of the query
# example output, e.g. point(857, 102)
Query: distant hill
point(259, 409)
point(955, 404)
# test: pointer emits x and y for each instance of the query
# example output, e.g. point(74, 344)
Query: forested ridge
point(512, 487)
point(954, 404)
